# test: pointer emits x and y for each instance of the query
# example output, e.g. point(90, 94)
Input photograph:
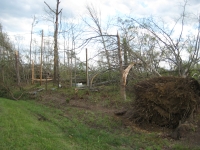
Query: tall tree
point(56, 57)
point(32, 25)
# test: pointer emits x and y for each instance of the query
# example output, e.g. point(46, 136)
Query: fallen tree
point(165, 101)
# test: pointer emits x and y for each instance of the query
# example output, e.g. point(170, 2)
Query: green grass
point(28, 125)
point(21, 129)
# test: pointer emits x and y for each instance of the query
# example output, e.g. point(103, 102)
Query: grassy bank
point(27, 125)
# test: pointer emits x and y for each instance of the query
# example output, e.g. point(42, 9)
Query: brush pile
point(165, 100)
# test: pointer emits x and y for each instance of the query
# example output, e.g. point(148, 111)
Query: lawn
point(32, 126)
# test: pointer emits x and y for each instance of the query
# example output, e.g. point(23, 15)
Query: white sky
point(16, 15)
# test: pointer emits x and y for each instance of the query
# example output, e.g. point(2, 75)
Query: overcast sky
point(16, 16)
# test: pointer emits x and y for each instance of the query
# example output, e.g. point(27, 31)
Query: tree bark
point(41, 60)
point(17, 67)
point(87, 78)
point(33, 74)
point(56, 57)
point(122, 86)
point(125, 47)
point(31, 40)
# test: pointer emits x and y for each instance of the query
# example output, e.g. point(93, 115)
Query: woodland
point(146, 46)
point(153, 68)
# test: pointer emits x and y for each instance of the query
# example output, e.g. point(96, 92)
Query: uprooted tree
point(165, 101)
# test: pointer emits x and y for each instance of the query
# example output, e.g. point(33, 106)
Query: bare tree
point(32, 25)
point(56, 64)
point(174, 48)
point(96, 19)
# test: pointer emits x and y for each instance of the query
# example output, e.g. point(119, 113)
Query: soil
point(61, 100)
point(190, 138)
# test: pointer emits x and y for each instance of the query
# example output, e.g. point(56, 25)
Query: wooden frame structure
point(33, 75)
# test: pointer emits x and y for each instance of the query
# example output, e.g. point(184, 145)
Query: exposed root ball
point(165, 100)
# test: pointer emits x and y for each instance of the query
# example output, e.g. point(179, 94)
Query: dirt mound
point(165, 101)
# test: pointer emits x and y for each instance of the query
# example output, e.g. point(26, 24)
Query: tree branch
point(50, 7)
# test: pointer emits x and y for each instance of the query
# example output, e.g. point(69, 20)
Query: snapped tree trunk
point(125, 48)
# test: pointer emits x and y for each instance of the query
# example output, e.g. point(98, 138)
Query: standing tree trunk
point(71, 71)
point(122, 86)
point(33, 73)
point(56, 64)
point(87, 78)
point(17, 67)
point(41, 60)
point(32, 25)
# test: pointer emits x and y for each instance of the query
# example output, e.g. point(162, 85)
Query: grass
point(27, 125)
point(21, 129)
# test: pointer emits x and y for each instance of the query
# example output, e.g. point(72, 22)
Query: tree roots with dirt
point(165, 101)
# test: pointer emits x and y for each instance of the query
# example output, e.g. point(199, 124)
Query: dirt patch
point(85, 104)
point(60, 100)
point(54, 99)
